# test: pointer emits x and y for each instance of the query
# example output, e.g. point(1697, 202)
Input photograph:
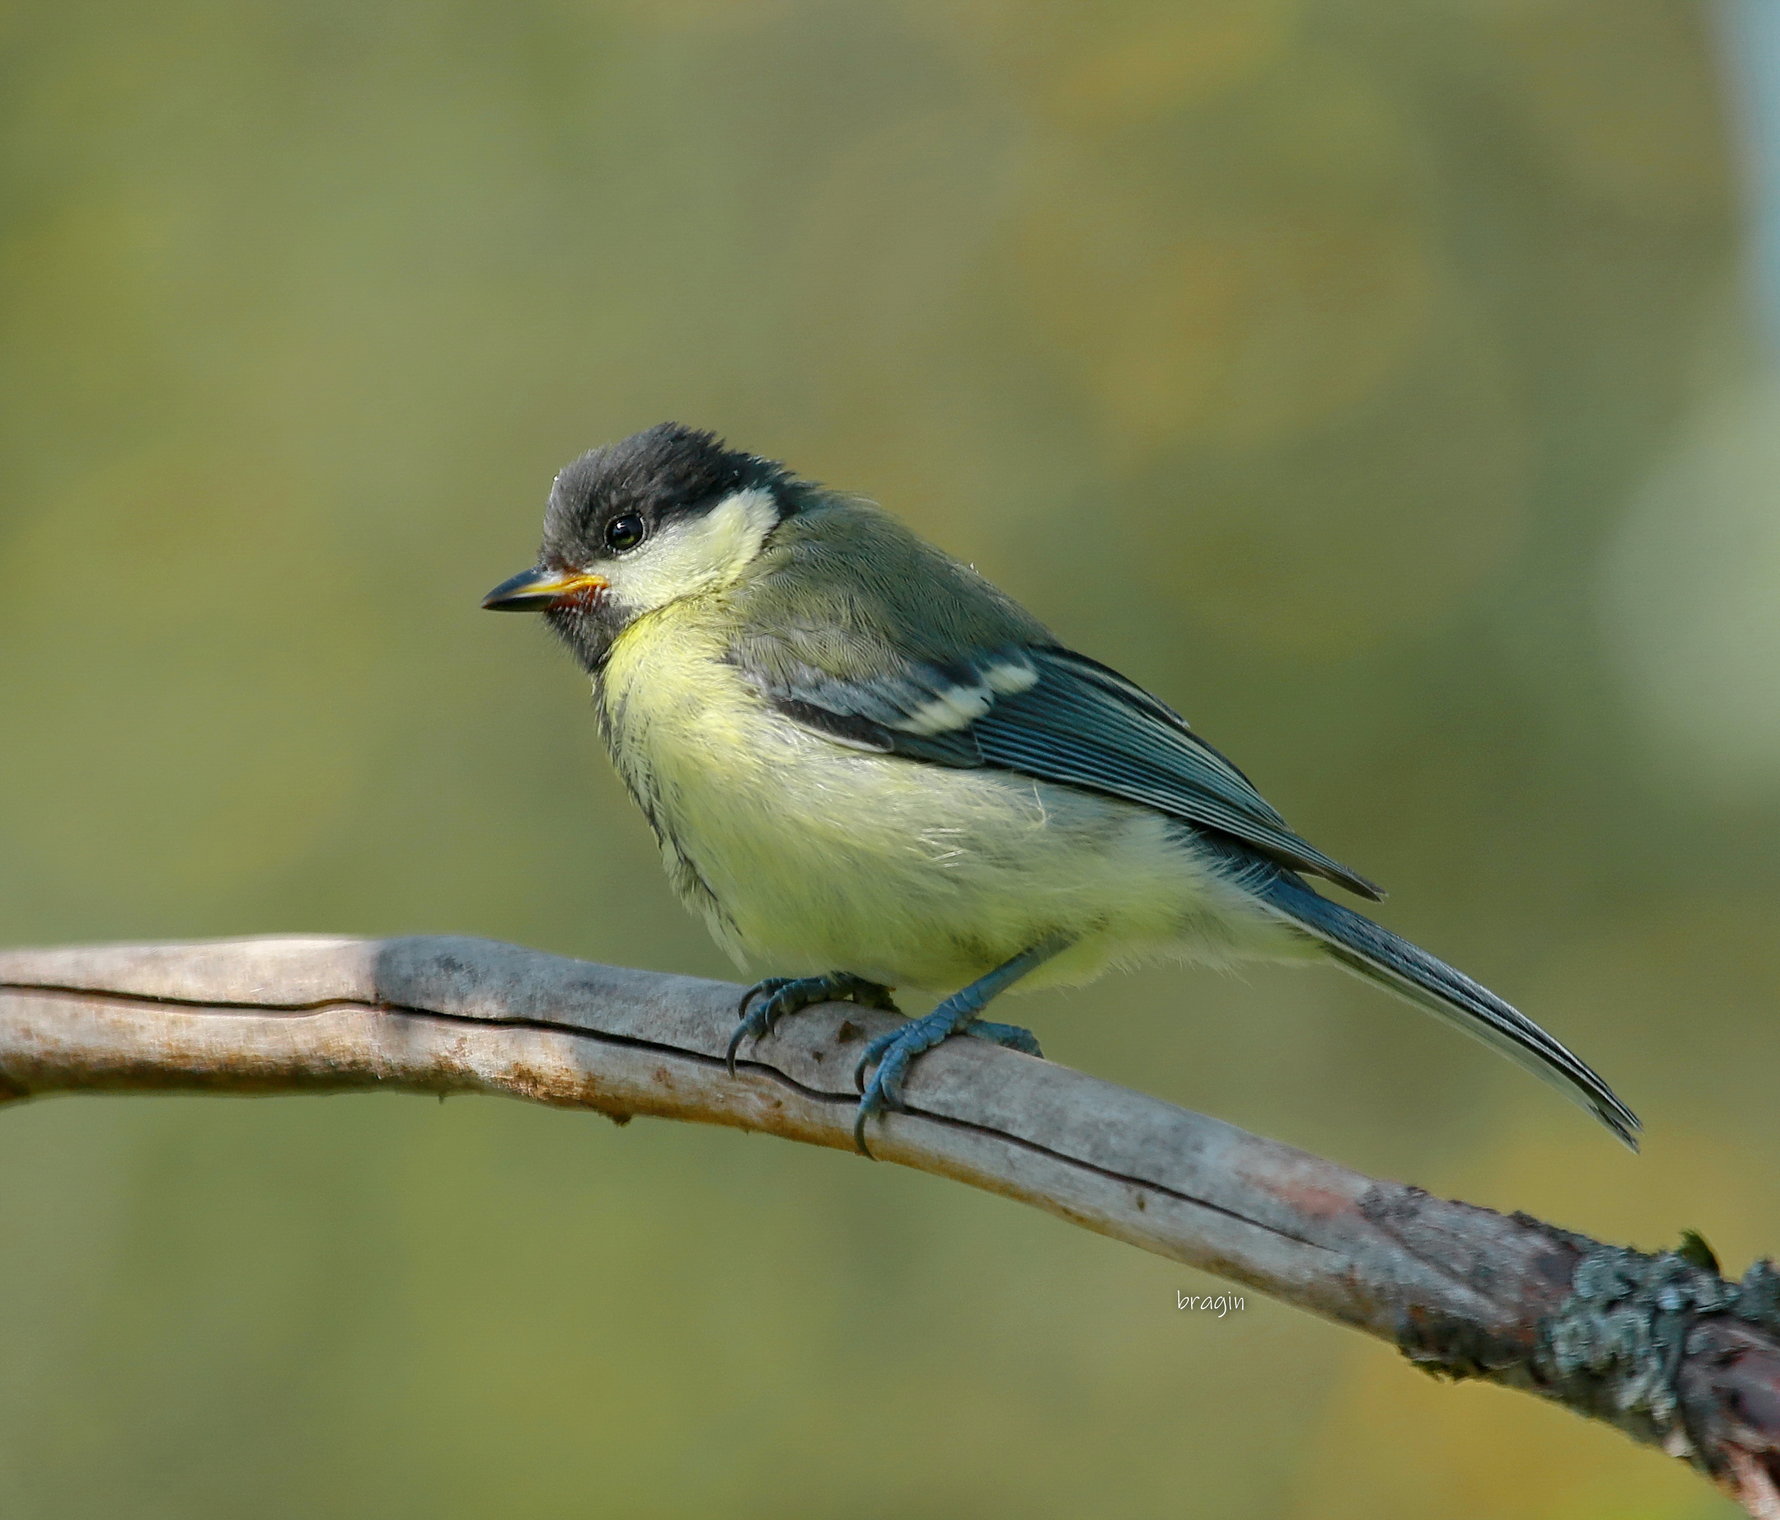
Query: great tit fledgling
point(867, 765)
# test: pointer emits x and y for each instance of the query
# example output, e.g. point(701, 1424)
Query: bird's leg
point(957, 1015)
point(765, 1003)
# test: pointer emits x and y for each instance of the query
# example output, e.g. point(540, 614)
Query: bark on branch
point(1658, 1345)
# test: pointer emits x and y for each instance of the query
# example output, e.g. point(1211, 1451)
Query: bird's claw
point(895, 1051)
point(768, 1001)
point(754, 1022)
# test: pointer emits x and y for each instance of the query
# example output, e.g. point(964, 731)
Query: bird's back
point(848, 577)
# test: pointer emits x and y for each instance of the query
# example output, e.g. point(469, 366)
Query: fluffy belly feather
point(803, 855)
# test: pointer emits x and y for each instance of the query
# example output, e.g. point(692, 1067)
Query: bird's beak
point(538, 589)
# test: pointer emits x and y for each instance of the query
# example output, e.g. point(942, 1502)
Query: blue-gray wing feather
point(1050, 714)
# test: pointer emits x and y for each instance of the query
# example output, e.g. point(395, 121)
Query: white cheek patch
point(688, 557)
point(955, 707)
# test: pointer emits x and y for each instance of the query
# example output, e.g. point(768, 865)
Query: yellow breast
point(804, 855)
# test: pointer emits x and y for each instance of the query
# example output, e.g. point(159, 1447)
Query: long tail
point(1373, 952)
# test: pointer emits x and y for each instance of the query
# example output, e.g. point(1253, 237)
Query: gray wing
point(1051, 714)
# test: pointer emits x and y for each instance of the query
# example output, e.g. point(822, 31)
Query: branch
point(1658, 1345)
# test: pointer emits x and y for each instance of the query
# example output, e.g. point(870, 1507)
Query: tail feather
point(1371, 951)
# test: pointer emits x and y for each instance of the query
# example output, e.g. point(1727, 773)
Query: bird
point(871, 770)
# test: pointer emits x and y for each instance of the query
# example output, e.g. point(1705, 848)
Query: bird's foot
point(1010, 1035)
point(895, 1051)
point(765, 1003)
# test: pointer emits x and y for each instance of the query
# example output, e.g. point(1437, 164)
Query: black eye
point(625, 532)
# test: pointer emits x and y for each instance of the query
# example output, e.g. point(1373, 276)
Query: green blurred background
point(1379, 383)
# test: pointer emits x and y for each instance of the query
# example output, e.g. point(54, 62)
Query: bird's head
point(661, 515)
